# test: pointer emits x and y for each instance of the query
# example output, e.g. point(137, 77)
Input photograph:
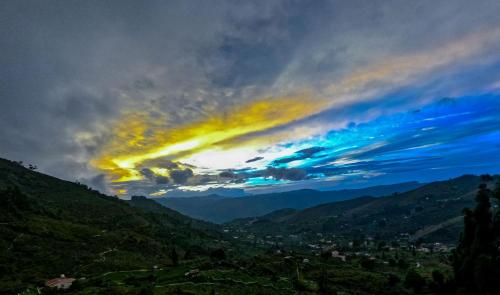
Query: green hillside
point(433, 211)
point(49, 227)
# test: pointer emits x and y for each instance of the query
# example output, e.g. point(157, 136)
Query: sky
point(183, 98)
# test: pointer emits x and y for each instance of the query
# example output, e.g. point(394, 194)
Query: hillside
point(49, 226)
point(432, 211)
point(223, 209)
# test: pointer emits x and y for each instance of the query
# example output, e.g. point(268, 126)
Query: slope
point(222, 209)
point(432, 209)
point(49, 226)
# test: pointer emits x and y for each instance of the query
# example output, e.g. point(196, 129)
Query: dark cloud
point(70, 68)
point(286, 173)
point(299, 155)
point(162, 180)
point(309, 152)
point(151, 176)
point(161, 163)
point(181, 176)
point(228, 174)
point(144, 84)
point(54, 87)
point(146, 172)
point(254, 159)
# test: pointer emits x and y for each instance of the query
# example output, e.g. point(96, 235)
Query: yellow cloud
point(139, 137)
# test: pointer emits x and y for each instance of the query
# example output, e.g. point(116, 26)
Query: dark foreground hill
point(433, 211)
point(49, 227)
point(222, 209)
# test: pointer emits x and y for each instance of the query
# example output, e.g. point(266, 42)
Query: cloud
point(139, 137)
point(286, 174)
point(299, 155)
point(162, 180)
point(162, 163)
point(149, 88)
point(254, 159)
point(228, 174)
point(181, 176)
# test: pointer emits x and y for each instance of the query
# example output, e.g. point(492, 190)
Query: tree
point(367, 263)
point(402, 263)
point(414, 280)
point(437, 277)
point(298, 282)
point(13, 204)
point(174, 257)
point(146, 291)
point(476, 261)
point(392, 280)
point(486, 178)
point(326, 255)
point(441, 286)
point(323, 283)
point(496, 216)
point(218, 254)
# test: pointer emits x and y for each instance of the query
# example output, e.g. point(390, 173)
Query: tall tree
point(323, 283)
point(476, 261)
point(174, 257)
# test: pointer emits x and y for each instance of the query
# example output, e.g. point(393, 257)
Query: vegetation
point(221, 209)
point(49, 227)
point(476, 260)
point(431, 212)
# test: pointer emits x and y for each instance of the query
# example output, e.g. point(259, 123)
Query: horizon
point(179, 98)
point(231, 194)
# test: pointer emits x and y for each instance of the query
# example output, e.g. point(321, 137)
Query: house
point(336, 254)
point(60, 283)
point(192, 273)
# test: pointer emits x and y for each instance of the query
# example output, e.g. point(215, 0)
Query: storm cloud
point(74, 72)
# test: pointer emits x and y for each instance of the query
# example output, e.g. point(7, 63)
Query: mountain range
point(50, 227)
point(221, 209)
point(432, 211)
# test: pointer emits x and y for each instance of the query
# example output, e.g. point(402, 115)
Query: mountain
point(49, 227)
point(219, 209)
point(432, 211)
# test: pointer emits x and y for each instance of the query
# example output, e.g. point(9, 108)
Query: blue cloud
point(457, 136)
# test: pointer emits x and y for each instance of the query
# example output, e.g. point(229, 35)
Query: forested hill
point(49, 226)
point(223, 209)
point(433, 211)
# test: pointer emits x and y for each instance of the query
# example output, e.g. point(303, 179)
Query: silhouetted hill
point(432, 211)
point(49, 226)
point(222, 209)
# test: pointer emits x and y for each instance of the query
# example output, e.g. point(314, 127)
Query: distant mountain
point(49, 226)
point(432, 211)
point(222, 209)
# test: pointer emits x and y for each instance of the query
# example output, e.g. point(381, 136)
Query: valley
point(356, 246)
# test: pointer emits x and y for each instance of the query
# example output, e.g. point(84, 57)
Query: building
point(336, 254)
point(60, 283)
